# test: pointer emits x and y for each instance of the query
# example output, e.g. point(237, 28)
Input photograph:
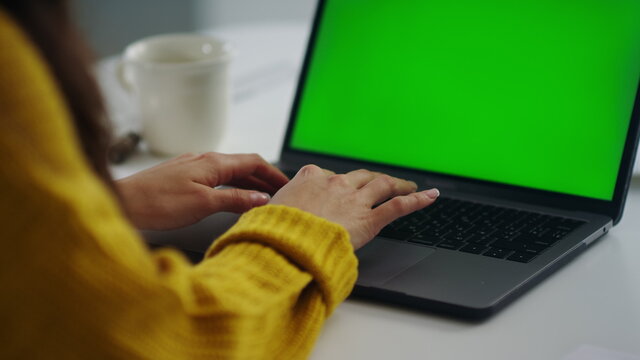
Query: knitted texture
point(79, 283)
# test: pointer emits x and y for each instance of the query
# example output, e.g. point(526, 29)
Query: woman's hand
point(350, 199)
point(181, 192)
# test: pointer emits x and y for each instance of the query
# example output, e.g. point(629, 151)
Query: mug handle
point(121, 76)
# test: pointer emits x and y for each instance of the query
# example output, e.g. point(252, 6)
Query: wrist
point(129, 191)
point(316, 245)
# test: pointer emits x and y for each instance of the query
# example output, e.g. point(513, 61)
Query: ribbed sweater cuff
point(317, 246)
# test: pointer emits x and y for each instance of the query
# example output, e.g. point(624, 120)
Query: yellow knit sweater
point(78, 282)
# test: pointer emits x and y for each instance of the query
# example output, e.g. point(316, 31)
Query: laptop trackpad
point(381, 260)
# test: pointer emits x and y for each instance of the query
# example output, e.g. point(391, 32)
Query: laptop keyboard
point(480, 229)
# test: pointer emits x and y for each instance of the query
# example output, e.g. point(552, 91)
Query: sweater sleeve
point(79, 283)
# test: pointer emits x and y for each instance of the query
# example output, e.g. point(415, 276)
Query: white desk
point(595, 300)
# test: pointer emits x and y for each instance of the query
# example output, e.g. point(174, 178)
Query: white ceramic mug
point(181, 82)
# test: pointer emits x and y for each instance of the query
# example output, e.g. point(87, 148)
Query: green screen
point(536, 93)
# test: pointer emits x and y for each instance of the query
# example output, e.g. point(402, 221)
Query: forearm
point(264, 285)
point(248, 302)
point(263, 292)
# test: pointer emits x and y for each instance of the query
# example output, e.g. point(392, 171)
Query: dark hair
point(48, 24)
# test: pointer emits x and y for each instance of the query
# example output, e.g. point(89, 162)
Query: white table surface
point(590, 309)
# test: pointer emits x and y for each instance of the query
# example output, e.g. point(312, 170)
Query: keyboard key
point(412, 229)
point(473, 249)
point(497, 253)
point(436, 232)
point(513, 227)
point(461, 227)
point(490, 222)
point(457, 236)
point(545, 242)
point(521, 257)
point(526, 237)
point(484, 231)
point(519, 246)
point(480, 240)
point(558, 234)
point(538, 231)
point(565, 224)
point(395, 234)
point(425, 239)
point(451, 244)
point(552, 237)
point(504, 235)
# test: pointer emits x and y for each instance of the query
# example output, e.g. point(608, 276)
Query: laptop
point(524, 114)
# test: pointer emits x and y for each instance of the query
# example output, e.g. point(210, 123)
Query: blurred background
point(110, 25)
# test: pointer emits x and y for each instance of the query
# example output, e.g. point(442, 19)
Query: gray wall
point(211, 13)
point(110, 25)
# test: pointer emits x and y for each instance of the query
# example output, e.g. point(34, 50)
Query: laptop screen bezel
point(612, 209)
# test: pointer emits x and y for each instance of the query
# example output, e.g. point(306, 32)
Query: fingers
point(360, 178)
point(235, 200)
point(253, 183)
point(357, 178)
point(403, 205)
point(384, 187)
point(375, 187)
point(237, 167)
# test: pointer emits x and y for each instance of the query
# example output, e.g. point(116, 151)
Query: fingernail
point(433, 193)
point(415, 186)
point(260, 197)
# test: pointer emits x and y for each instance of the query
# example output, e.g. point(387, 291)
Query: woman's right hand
point(350, 199)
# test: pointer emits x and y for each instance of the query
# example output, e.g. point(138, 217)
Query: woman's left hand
point(181, 191)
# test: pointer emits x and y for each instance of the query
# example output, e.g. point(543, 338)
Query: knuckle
point(388, 181)
point(236, 198)
point(210, 157)
point(399, 204)
point(413, 201)
point(309, 170)
point(338, 179)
